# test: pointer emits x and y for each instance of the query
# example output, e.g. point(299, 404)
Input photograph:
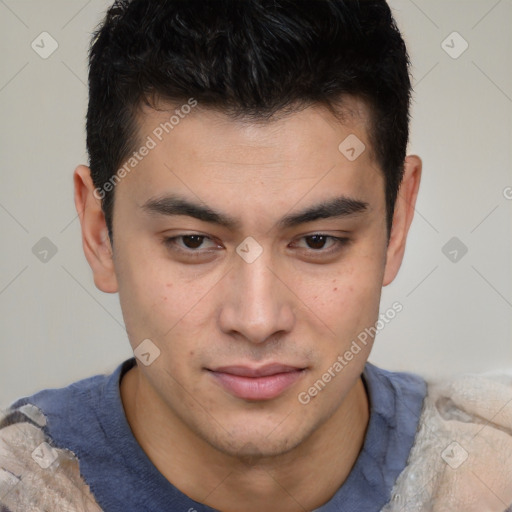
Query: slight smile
point(263, 383)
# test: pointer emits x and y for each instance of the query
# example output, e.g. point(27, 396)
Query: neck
point(302, 479)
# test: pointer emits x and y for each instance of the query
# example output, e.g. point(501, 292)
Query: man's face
point(241, 333)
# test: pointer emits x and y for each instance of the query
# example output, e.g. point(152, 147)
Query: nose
point(257, 304)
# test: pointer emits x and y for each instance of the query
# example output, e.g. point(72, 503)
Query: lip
point(263, 383)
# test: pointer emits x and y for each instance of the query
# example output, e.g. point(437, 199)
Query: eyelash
point(339, 244)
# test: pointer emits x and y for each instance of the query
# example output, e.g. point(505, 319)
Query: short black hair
point(250, 59)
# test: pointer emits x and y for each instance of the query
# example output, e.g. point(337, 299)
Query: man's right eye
point(191, 244)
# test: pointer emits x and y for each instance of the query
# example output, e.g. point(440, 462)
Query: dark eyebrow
point(334, 208)
point(175, 205)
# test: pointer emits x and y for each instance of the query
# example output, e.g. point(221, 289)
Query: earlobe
point(95, 239)
point(402, 217)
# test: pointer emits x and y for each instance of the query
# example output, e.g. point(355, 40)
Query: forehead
point(177, 120)
point(206, 155)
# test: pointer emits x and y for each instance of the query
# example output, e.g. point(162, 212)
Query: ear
point(95, 239)
point(402, 217)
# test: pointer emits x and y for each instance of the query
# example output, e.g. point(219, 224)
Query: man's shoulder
point(461, 459)
point(38, 469)
point(84, 389)
point(35, 474)
point(401, 380)
point(406, 389)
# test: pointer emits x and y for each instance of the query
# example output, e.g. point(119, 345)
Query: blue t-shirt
point(88, 418)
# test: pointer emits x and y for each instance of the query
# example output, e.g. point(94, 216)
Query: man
point(248, 195)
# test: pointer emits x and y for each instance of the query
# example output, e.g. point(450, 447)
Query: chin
point(249, 451)
point(256, 443)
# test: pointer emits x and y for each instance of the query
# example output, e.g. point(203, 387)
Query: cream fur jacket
point(461, 460)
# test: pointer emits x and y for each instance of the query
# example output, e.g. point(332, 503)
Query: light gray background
point(56, 327)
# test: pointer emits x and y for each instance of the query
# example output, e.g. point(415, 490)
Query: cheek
point(347, 298)
point(160, 303)
point(344, 287)
point(146, 295)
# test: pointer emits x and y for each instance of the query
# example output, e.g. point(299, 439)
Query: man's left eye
point(318, 242)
